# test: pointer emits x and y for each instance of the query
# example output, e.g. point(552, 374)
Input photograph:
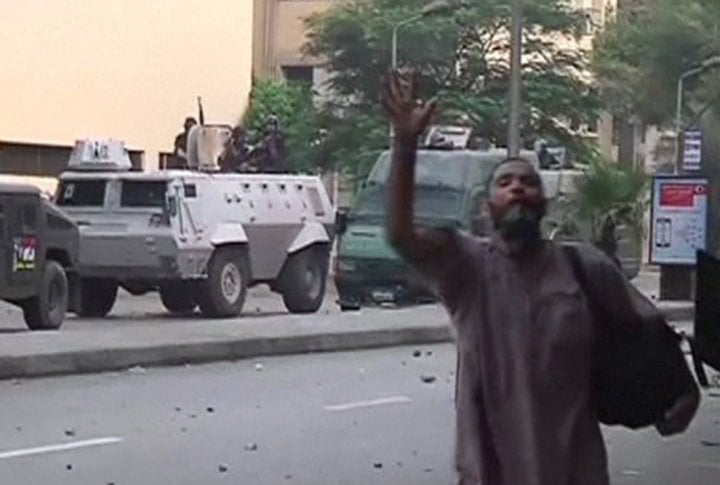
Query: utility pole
point(514, 120)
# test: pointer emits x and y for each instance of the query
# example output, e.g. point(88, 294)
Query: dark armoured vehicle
point(38, 256)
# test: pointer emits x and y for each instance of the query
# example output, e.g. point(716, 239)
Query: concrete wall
point(280, 33)
point(127, 69)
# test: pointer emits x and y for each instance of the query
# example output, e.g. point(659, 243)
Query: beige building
point(279, 36)
point(126, 69)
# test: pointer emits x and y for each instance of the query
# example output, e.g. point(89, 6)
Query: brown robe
point(524, 337)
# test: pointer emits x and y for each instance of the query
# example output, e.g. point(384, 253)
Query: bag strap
point(581, 276)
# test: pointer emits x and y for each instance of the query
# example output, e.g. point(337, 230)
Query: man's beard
point(520, 223)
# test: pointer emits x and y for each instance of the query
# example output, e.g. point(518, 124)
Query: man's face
point(517, 203)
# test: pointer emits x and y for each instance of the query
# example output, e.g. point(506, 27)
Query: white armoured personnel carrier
point(199, 238)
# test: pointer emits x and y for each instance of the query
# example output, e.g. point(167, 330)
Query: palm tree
point(606, 197)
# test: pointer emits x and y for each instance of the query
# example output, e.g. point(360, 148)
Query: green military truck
point(450, 191)
point(38, 254)
point(450, 179)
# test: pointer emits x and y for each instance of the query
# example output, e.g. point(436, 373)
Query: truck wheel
point(97, 297)
point(178, 296)
point(223, 293)
point(304, 279)
point(47, 310)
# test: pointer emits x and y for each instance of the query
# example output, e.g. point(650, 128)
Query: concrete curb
point(101, 360)
point(121, 355)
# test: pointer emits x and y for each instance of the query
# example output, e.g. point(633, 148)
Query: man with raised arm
point(524, 331)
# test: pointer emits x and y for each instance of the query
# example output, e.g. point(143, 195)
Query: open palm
point(409, 117)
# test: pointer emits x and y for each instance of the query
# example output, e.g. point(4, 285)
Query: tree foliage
point(293, 106)
point(462, 57)
point(639, 58)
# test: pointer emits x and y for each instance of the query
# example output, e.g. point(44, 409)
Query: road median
point(166, 342)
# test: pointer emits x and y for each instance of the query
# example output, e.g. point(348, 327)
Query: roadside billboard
point(678, 226)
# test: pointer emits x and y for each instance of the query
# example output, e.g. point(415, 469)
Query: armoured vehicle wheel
point(304, 279)
point(223, 293)
point(47, 310)
point(97, 297)
point(178, 296)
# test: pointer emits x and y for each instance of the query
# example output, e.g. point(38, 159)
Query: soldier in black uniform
point(179, 157)
point(274, 147)
point(236, 154)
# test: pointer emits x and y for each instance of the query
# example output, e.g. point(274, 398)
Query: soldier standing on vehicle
point(179, 158)
point(236, 153)
point(524, 331)
point(274, 148)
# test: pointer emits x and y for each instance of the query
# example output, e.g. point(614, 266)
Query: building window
point(43, 160)
point(299, 74)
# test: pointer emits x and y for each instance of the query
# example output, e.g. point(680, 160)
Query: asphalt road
point(350, 418)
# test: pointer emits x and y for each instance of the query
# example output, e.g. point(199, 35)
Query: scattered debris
point(193, 416)
point(288, 477)
point(183, 430)
point(377, 465)
point(16, 382)
point(210, 410)
point(710, 443)
point(417, 354)
point(178, 409)
point(404, 363)
point(222, 468)
point(414, 452)
point(70, 433)
point(428, 379)
point(68, 467)
point(259, 367)
point(428, 353)
point(18, 428)
point(137, 369)
point(631, 473)
point(399, 464)
point(428, 469)
point(257, 309)
point(251, 447)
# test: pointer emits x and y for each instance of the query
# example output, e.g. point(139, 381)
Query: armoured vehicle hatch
point(199, 238)
point(38, 256)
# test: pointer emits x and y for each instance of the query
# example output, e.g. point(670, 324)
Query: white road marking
point(367, 404)
point(59, 447)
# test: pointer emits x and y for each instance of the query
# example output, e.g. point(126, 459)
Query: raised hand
point(409, 116)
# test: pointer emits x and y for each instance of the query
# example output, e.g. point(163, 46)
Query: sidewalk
point(153, 339)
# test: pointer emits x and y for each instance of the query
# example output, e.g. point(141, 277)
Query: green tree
point(293, 106)
point(462, 58)
point(639, 58)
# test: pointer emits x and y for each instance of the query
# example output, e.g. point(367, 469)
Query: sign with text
point(692, 151)
point(678, 225)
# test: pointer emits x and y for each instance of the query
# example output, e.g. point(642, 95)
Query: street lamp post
point(676, 281)
point(515, 116)
point(706, 64)
point(431, 8)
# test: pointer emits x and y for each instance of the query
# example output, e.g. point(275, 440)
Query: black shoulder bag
point(636, 379)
